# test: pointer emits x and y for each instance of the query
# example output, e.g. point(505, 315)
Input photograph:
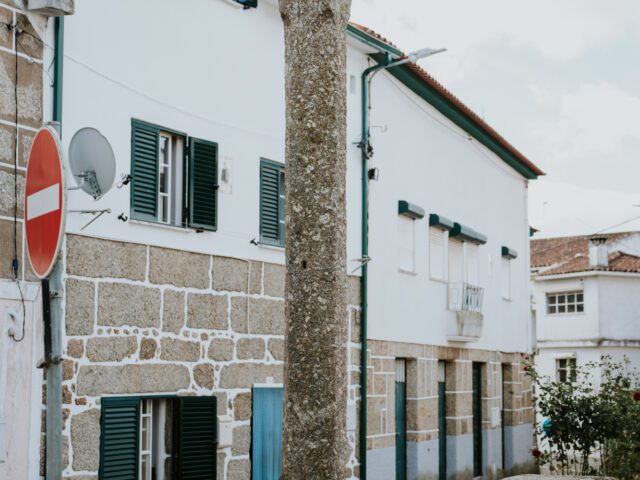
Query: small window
point(565, 303)
point(505, 278)
point(272, 203)
point(172, 184)
point(437, 240)
point(455, 261)
point(406, 239)
point(566, 370)
point(152, 437)
point(473, 263)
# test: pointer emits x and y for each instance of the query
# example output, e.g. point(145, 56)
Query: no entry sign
point(44, 201)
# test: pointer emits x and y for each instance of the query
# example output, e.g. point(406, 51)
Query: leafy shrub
point(590, 426)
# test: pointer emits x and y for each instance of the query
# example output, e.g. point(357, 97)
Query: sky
point(559, 79)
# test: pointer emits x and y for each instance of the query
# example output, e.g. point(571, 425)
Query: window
point(158, 438)
point(437, 240)
point(174, 177)
point(505, 278)
point(565, 302)
point(473, 263)
point(566, 370)
point(456, 274)
point(272, 203)
point(406, 244)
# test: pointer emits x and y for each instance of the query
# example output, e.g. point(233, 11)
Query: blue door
point(266, 433)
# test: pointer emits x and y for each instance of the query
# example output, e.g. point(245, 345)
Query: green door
point(401, 421)
point(477, 419)
point(442, 431)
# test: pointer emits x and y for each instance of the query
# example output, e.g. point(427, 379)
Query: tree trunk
point(314, 440)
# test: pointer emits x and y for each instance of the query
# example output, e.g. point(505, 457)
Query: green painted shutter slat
point(203, 184)
point(442, 431)
point(119, 424)
point(197, 438)
point(477, 419)
point(145, 140)
point(271, 203)
point(401, 430)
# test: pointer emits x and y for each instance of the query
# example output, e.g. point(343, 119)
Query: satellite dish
point(92, 162)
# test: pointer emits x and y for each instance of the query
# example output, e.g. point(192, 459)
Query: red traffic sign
point(44, 201)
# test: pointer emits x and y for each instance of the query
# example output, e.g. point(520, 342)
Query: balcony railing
point(466, 300)
point(464, 297)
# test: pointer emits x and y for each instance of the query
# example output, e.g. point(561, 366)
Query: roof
point(412, 75)
point(562, 255)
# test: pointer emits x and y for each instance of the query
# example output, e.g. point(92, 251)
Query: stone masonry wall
point(14, 159)
point(141, 320)
point(422, 393)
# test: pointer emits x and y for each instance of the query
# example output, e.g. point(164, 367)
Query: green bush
point(590, 426)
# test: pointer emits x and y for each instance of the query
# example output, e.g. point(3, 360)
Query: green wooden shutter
point(197, 438)
point(119, 439)
point(203, 184)
point(476, 374)
point(271, 203)
point(144, 170)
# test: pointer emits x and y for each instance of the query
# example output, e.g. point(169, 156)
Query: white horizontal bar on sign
point(45, 201)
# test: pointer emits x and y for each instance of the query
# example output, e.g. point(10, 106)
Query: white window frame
point(406, 241)
point(146, 450)
point(578, 306)
point(505, 278)
point(569, 369)
point(172, 164)
point(444, 266)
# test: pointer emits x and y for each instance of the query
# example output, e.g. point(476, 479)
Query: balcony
point(466, 300)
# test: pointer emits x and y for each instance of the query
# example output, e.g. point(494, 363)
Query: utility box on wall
point(52, 8)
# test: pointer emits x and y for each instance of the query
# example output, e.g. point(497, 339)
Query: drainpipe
point(366, 152)
point(52, 311)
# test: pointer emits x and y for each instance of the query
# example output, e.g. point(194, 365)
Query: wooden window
point(163, 189)
point(437, 240)
point(563, 303)
point(138, 437)
point(272, 206)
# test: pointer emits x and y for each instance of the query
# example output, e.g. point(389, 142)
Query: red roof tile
point(571, 255)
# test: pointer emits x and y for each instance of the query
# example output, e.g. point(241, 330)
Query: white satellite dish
point(92, 162)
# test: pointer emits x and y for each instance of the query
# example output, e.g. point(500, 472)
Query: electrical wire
point(15, 263)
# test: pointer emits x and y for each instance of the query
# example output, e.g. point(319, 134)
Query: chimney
point(598, 253)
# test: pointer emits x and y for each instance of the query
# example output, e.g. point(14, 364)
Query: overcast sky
point(559, 79)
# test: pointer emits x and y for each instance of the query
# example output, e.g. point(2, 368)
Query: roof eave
point(409, 75)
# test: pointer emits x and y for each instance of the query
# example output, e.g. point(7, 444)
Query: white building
point(173, 302)
point(587, 300)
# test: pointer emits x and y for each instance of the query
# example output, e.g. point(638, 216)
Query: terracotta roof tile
point(571, 255)
point(437, 86)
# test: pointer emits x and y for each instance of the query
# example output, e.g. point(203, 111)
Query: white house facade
point(172, 301)
point(587, 298)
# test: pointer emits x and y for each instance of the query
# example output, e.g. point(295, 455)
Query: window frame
point(568, 370)
point(578, 306)
point(280, 167)
point(445, 262)
point(180, 199)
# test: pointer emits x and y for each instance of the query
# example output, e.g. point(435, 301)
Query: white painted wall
point(219, 75)
point(436, 167)
point(610, 324)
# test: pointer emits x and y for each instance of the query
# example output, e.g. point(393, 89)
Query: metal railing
point(465, 297)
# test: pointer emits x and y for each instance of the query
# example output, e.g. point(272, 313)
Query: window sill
point(439, 280)
point(165, 226)
point(507, 299)
point(271, 246)
point(413, 273)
